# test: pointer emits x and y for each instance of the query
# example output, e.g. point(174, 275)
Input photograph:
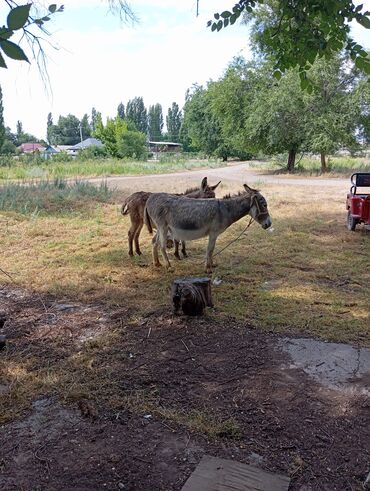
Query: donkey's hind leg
point(156, 261)
point(210, 248)
point(163, 243)
point(136, 238)
point(131, 236)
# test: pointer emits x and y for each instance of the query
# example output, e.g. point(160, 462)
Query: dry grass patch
point(311, 276)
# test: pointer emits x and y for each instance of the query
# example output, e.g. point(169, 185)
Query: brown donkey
point(134, 206)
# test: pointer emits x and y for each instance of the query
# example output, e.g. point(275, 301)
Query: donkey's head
point(258, 210)
point(206, 190)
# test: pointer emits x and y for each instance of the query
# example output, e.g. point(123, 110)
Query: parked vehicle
point(358, 201)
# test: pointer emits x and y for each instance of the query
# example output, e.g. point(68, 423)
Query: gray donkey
point(134, 206)
point(186, 219)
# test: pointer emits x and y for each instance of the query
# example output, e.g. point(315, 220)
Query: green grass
point(309, 277)
point(312, 166)
point(56, 197)
point(98, 167)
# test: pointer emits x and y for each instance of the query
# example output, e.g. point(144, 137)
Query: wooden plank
point(214, 474)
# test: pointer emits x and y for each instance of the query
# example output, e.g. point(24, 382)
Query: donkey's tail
point(125, 208)
point(148, 221)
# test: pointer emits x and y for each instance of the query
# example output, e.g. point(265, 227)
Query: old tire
point(351, 222)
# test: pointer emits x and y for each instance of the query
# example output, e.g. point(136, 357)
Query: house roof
point(89, 142)
point(166, 143)
point(31, 147)
point(50, 149)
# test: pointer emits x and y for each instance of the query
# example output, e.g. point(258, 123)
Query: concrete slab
point(334, 365)
point(214, 474)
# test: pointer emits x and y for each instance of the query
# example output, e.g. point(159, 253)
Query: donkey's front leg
point(210, 248)
point(183, 248)
point(177, 255)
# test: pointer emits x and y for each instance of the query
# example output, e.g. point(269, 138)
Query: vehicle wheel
point(351, 222)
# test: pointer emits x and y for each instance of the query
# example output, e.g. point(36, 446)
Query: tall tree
point(19, 129)
point(137, 114)
point(121, 110)
point(49, 129)
point(155, 122)
point(67, 131)
point(173, 122)
point(94, 118)
point(331, 108)
point(203, 128)
point(85, 127)
point(2, 127)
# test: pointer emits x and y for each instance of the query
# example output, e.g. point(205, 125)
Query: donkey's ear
point(215, 186)
point(249, 190)
point(204, 183)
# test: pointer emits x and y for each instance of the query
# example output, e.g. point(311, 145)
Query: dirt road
point(232, 174)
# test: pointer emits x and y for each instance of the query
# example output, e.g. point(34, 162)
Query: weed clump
point(53, 197)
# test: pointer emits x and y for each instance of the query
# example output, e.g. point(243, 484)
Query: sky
point(100, 61)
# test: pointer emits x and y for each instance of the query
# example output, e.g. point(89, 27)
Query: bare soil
point(267, 414)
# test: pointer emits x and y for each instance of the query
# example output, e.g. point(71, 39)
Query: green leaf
point(214, 27)
point(359, 7)
point(5, 33)
point(45, 19)
point(277, 74)
point(52, 8)
point(309, 88)
point(216, 16)
point(364, 21)
point(13, 51)
point(226, 14)
point(18, 17)
point(363, 64)
point(362, 53)
point(233, 19)
point(226, 22)
point(209, 23)
point(2, 62)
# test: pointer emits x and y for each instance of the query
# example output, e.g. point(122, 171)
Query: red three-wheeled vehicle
point(358, 201)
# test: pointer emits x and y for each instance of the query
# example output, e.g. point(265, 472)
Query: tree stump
point(191, 295)
point(2, 341)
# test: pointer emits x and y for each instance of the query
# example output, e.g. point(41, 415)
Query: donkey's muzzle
point(267, 224)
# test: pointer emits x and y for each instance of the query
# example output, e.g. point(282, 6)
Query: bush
point(132, 145)
point(92, 153)
point(53, 197)
point(6, 160)
point(59, 157)
point(31, 159)
point(8, 148)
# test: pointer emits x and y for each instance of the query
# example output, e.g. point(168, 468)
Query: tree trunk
point(323, 162)
point(291, 160)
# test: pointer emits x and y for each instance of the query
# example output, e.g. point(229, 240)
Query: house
point(89, 142)
point(157, 147)
point(49, 151)
point(31, 148)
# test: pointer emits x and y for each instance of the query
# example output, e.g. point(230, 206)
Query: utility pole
point(80, 126)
